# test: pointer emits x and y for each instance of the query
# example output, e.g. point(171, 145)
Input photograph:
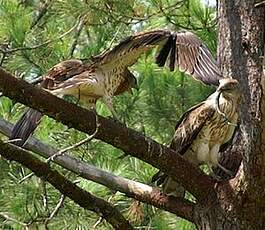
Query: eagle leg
point(109, 104)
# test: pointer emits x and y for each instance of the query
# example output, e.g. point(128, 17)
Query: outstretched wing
point(190, 55)
point(127, 52)
point(183, 50)
point(189, 126)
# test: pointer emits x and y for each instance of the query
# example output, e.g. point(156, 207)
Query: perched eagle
point(203, 130)
point(107, 74)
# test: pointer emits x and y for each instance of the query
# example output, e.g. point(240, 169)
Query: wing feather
point(62, 72)
point(186, 130)
point(164, 52)
point(128, 51)
point(191, 56)
point(189, 126)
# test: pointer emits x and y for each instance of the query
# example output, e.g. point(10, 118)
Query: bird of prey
point(107, 74)
point(52, 81)
point(203, 130)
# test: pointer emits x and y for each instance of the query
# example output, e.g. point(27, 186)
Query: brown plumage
point(203, 130)
point(187, 53)
point(59, 73)
point(107, 74)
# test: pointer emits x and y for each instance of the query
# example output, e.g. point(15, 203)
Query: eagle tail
point(25, 126)
point(169, 186)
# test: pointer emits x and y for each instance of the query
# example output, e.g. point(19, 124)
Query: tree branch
point(7, 217)
point(112, 132)
point(66, 187)
point(8, 51)
point(136, 190)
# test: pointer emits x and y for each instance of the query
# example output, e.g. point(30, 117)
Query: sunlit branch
point(139, 191)
point(66, 187)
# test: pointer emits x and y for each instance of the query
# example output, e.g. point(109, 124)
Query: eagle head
point(229, 88)
point(227, 84)
point(128, 83)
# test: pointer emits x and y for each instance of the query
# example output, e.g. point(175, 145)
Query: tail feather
point(25, 126)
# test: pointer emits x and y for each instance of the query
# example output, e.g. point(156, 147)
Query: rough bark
point(240, 202)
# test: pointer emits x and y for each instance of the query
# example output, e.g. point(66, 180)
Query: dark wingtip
point(173, 53)
point(164, 52)
point(25, 126)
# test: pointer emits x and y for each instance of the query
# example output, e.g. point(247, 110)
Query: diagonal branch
point(136, 190)
point(8, 51)
point(66, 187)
point(112, 132)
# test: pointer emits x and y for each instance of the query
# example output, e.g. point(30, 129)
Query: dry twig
point(55, 211)
point(78, 144)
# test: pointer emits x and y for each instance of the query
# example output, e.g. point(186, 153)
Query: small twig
point(42, 44)
point(12, 140)
point(259, 4)
point(26, 177)
point(87, 139)
point(78, 31)
point(115, 36)
point(55, 211)
point(99, 221)
point(66, 187)
point(45, 196)
point(40, 13)
point(4, 215)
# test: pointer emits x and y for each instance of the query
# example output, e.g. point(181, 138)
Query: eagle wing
point(61, 72)
point(189, 126)
point(183, 50)
point(186, 131)
point(127, 52)
point(190, 55)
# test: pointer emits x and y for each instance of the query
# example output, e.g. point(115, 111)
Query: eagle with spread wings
point(203, 130)
point(107, 74)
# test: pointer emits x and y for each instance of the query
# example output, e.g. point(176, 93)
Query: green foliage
point(37, 43)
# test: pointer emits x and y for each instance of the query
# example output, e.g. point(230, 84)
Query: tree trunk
point(240, 202)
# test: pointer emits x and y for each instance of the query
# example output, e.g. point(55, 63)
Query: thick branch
point(139, 191)
point(114, 133)
point(66, 187)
